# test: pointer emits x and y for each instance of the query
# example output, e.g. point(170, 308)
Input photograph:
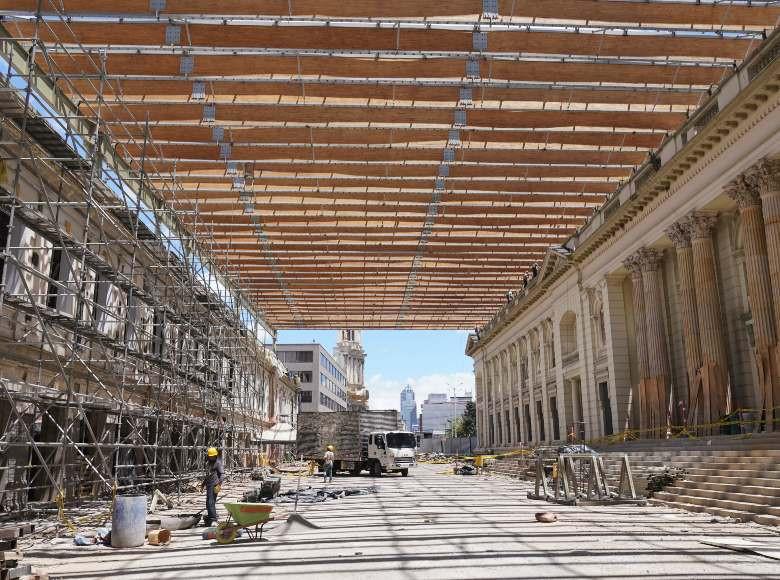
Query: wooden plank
point(209, 151)
point(576, 10)
point(339, 38)
point(326, 172)
point(444, 68)
point(245, 133)
point(497, 118)
point(315, 89)
point(263, 195)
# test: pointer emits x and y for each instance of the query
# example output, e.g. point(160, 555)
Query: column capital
point(765, 176)
point(650, 259)
point(744, 190)
point(680, 234)
point(632, 264)
point(702, 223)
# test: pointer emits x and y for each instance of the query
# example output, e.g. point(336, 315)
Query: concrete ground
point(432, 525)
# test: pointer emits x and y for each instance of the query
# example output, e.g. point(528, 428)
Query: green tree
point(466, 424)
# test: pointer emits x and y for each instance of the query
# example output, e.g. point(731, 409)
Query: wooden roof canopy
point(385, 163)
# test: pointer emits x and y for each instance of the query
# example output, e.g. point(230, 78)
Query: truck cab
point(390, 451)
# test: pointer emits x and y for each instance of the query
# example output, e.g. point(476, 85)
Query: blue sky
point(432, 361)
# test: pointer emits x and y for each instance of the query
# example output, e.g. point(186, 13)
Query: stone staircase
point(727, 476)
point(517, 467)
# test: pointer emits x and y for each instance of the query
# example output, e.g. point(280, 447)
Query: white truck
point(362, 440)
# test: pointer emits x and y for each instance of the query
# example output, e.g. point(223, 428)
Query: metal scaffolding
point(125, 350)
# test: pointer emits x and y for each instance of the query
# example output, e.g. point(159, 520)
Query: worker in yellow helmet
point(213, 483)
point(327, 462)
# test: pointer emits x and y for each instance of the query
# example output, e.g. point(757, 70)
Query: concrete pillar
point(713, 400)
point(746, 191)
point(633, 265)
point(657, 390)
point(680, 235)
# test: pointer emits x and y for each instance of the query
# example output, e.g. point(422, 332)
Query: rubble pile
point(317, 495)
point(436, 458)
point(660, 477)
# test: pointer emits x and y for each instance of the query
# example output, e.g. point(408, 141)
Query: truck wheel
point(376, 469)
point(405, 472)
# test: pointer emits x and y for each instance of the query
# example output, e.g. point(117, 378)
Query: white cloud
point(385, 393)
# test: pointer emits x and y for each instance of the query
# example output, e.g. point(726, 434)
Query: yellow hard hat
point(329, 447)
point(212, 452)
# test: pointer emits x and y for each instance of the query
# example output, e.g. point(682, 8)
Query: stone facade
point(352, 358)
point(661, 316)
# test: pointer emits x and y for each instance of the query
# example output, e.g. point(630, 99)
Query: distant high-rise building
point(409, 408)
point(352, 358)
point(439, 411)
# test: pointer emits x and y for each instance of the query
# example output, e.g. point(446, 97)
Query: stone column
point(764, 180)
point(503, 373)
point(523, 437)
point(657, 390)
point(766, 177)
point(714, 370)
point(632, 264)
point(680, 235)
point(482, 412)
point(514, 379)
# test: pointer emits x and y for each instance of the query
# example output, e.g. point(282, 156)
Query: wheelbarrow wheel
point(226, 533)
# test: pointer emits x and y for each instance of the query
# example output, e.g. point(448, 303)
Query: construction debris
point(159, 537)
point(268, 490)
point(318, 495)
point(101, 536)
point(464, 469)
point(174, 522)
point(160, 497)
point(437, 458)
point(660, 477)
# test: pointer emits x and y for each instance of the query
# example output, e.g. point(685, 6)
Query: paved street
point(432, 525)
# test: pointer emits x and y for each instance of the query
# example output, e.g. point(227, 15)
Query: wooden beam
point(317, 67)
point(577, 10)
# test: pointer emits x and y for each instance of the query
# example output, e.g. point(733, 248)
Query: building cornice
point(653, 187)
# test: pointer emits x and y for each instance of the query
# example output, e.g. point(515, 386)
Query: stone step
point(764, 519)
point(772, 490)
point(745, 506)
point(745, 454)
point(734, 481)
point(744, 496)
point(718, 463)
point(759, 473)
point(657, 447)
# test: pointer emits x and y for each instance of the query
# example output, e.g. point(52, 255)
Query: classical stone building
point(351, 356)
point(663, 311)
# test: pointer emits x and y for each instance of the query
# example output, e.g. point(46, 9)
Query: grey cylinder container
point(128, 525)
